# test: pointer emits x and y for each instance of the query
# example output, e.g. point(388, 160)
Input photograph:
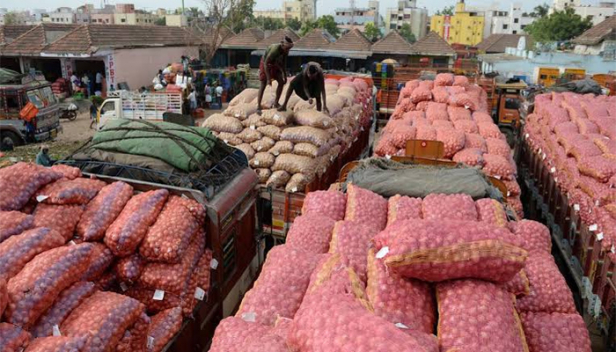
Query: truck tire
point(8, 140)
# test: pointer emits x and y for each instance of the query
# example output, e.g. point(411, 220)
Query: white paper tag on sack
point(276, 117)
point(553, 170)
point(199, 293)
point(362, 129)
point(593, 227)
point(600, 236)
point(497, 177)
point(150, 343)
point(325, 123)
point(388, 156)
point(159, 295)
point(257, 162)
point(597, 203)
point(294, 189)
point(214, 264)
point(41, 198)
point(253, 127)
point(237, 115)
point(555, 179)
point(123, 286)
point(259, 148)
point(331, 158)
point(72, 243)
point(226, 141)
point(382, 253)
point(526, 135)
point(250, 317)
point(508, 194)
point(401, 326)
point(56, 330)
point(576, 207)
point(544, 156)
point(356, 117)
point(613, 250)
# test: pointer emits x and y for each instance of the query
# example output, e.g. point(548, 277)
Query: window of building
point(394, 16)
point(515, 32)
point(289, 9)
point(123, 20)
point(392, 26)
point(523, 26)
point(406, 15)
point(505, 26)
point(516, 20)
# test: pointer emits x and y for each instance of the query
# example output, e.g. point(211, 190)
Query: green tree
point(407, 33)
point(294, 24)
point(240, 15)
point(447, 11)
point(540, 11)
point(326, 22)
point(10, 18)
point(558, 27)
point(268, 23)
point(161, 21)
point(372, 32)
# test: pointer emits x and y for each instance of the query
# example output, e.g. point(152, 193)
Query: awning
point(358, 55)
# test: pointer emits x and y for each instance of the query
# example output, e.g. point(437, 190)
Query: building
point(597, 13)
point(598, 40)
point(464, 27)
point(102, 18)
point(507, 22)
point(348, 18)
point(137, 18)
point(276, 14)
point(17, 18)
point(176, 20)
point(62, 15)
point(407, 12)
point(125, 8)
point(303, 10)
point(128, 54)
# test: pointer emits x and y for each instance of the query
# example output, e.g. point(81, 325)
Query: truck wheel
point(8, 138)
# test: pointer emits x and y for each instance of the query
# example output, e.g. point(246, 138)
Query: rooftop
point(598, 33)
point(496, 43)
point(248, 39)
point(433, 45)
point(392, 43)
point(11, 32)
point(36, 38)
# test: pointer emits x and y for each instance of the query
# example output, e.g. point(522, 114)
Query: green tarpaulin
point(185, 148)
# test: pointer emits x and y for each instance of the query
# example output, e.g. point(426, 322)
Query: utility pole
point(183, 13)
point(352, 4)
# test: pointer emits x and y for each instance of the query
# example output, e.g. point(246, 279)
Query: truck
point(125, 104)
point(16, 91)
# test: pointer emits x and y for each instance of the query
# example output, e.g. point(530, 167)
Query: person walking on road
point(273, 66)
point(219, 91)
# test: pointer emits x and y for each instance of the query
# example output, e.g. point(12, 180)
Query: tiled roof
point(87, 39)
point(316, 39)
point(277, 36)
point(37, 38)
point(354, 40)
point(10, 32)
point(392, 43)
point(496, 43)
point(248, 39)
point(598, 33)
point(432, 44)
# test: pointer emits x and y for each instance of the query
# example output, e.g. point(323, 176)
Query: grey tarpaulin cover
point(388, 178)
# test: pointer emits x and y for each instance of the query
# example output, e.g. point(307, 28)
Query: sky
point(324, 7)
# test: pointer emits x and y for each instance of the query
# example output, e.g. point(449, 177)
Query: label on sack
point(555, 179)
point(576, 207)
point(294, 189)
point(199, 293)
point(362, 129)
point(72, 243)
point(325, 123)
point(382, 253)
point(613, 250)
point(544, 156)
point(276, 117)
point(508, 194)
point(497, 177)
point(226, 141)
point(41, 198)
point(252, 127)
point(150, 342)
point(597, 202)
point(159, 295)
point(593, 227)
point(250, 317)
point(331, 158)
point(553, 169)
point(123, 286)
point(257, 162)
point(526, 136)
point(401, 326)
point(56, 330)
point(237, 114)
point(357, 117)
point(214, 264)
point(600, 236)
point(388, 156)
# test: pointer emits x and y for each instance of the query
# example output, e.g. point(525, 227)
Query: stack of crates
point(383, 77)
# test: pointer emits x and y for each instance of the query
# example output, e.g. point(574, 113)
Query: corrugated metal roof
point(598, 33)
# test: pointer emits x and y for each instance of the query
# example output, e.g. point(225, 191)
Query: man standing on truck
point(308, 85)
point(273, 66)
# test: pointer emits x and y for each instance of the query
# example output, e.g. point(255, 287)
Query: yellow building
point(464, 27)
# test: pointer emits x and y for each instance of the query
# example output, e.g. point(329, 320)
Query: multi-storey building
point(407, 12)
point(464, 27)
point(348, 18)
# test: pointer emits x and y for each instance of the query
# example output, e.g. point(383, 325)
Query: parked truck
point(16, 91)
point(135, 105)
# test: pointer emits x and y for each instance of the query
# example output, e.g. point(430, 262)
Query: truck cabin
point(16, 91)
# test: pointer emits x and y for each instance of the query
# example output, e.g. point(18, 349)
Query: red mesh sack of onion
point(438, 250)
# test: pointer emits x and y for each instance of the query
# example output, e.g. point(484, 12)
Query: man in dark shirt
point(308, 84)
point(273, 66)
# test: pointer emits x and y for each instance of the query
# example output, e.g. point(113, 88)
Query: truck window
point(12, 103)
point(108, 106)
point(41, 97)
